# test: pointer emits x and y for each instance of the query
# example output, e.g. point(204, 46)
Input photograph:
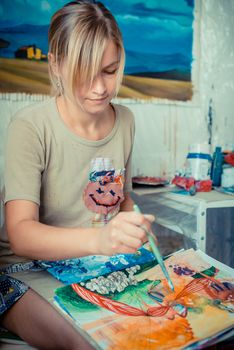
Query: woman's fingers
point(125, 233)
point(131, 236)
point(149, 217)
point(124, 249)
point(136, 218)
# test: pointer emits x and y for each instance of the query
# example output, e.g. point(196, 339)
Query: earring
point(59, 85)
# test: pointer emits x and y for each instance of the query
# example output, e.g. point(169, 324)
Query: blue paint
point(79, 270)
point(183, 271)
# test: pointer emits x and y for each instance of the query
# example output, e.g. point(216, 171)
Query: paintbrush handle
point(155, 250)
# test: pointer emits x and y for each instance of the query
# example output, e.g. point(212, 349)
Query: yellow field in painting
point(148, 88)
point(18, 75)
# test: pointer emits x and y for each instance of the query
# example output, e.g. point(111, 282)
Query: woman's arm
point(30, 238)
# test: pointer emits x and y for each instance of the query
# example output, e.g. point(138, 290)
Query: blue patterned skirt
point(10, 291)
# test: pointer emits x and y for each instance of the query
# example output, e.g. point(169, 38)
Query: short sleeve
point(128, 166)
point(24, 162)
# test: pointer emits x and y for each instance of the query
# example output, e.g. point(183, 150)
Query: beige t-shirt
point(76, 182)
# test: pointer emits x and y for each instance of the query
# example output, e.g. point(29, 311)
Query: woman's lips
point(98, 99)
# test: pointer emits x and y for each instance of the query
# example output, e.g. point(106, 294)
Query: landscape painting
point(158, 38)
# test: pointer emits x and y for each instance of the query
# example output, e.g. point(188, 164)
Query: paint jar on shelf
point(198, 162)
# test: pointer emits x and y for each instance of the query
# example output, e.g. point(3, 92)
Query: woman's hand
point(125, 233)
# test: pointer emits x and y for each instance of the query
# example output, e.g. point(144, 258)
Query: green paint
point(69, 297)
point(155, 283)
point(195, 310)
point(227, 307)
point(208, 272)
point(203, 302)
point(130, 296)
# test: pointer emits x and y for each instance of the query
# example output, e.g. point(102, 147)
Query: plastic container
point(227, 178)
point(217, 167)
point(198, 163)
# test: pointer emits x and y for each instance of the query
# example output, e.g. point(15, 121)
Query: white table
point(207, 218)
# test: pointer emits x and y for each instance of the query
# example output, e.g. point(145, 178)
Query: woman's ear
point(52, 63)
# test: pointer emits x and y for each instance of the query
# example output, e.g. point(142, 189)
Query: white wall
point(217, 66)
point(164, 130)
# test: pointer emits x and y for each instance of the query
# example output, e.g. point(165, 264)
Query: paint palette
point(150, 180)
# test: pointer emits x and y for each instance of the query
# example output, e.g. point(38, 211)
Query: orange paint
point(147, 333)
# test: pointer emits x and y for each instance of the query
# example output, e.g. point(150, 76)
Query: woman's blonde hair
point(78, 35)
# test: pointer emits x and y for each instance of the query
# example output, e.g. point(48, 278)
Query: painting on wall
point(158, 38)
point(135, 308)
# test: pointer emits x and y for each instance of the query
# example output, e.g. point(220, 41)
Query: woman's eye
point(110, 71)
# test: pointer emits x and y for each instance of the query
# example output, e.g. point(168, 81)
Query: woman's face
point(96, 98)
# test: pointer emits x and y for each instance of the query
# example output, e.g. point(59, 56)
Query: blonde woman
point(68, 168)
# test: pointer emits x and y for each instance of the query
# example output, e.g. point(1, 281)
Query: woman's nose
point(99, 86)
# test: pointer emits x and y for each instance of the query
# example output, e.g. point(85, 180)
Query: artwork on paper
point(135, 308)
point(81, 269)
point(158, 38)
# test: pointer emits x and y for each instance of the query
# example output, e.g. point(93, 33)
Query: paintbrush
point(155, 250)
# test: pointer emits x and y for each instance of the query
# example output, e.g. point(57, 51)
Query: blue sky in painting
point(158, 34)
